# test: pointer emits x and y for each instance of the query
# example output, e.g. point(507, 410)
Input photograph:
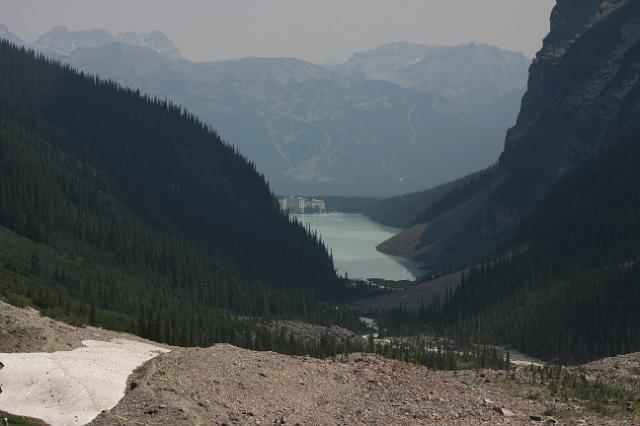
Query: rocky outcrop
point(580, 101)
point(579, 85)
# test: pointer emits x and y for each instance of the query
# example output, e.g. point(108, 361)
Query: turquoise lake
point(353, 239)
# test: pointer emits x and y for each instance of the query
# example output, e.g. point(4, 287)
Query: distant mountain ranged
point(310, 129)
point(396, 119)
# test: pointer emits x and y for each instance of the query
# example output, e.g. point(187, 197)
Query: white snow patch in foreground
point(71, 387)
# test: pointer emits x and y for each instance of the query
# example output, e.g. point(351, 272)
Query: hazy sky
point(314, 30)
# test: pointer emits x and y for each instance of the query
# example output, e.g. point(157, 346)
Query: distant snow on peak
point(155, 40)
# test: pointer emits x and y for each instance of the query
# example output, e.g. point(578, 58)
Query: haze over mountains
point(483, 82)
point(61, 41)
point(9, 36)
point(370, 126)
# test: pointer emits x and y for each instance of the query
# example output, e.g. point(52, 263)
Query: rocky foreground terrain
point(227, 385)
point(223, 384)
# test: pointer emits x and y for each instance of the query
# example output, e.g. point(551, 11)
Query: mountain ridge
point(62, 41)
point(475, 77)
point(9, 36)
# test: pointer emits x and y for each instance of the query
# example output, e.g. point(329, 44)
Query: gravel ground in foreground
point(227, 385)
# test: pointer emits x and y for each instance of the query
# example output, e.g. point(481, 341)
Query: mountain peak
point(155, 40)
point(62, 41)
point(570, 18)
point(58, 29)
point(9, 36)
point(392, 49)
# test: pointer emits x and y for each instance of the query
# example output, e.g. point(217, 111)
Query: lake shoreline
point(353, 239)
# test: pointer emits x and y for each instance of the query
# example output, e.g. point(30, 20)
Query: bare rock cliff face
point(579, 85)
point(582, 98)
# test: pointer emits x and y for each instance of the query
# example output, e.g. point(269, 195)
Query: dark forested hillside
point(128, 212)
point(447, 231)
point(573, 294)
point(403, 211)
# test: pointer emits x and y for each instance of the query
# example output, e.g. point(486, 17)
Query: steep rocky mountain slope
point(582, 92)
point(483, 82)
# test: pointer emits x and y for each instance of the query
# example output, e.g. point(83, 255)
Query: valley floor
point(228, 385)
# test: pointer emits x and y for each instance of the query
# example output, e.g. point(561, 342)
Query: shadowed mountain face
point(483, 82)
point(582, 90)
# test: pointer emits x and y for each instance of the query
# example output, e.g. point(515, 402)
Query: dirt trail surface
point(227, 385)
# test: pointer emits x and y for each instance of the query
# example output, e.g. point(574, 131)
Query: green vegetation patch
point(19, 420)
point(562, 388)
